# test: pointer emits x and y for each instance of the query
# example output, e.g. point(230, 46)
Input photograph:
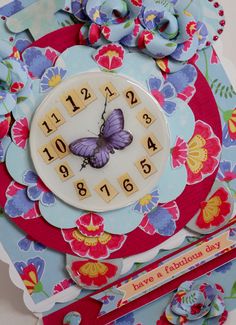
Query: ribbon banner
point(170, 269)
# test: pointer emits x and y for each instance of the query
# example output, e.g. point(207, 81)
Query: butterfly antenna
point(84, 164)
point(103, 116)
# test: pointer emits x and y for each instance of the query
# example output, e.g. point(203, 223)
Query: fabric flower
point(20, 132)
point(214, 210)
point(148, 202)
point(110, 57)
point(193, 302)
point(128, 319)
point(18, 204)
point(224, 268)
point(31, 274)
point(114, 21)
point(203, 153)
point(90, 274)
point(63, 285)
point(51, 78)
point(229, 130)
point(93, 247)
point(164, 93)
point(26, 242)
point(36, 190)
point(161, 220)
point(15, 81)
point(90, 225)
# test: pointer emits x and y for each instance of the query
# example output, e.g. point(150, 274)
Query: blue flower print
point(51, 78)
point(36, 190)
point(25, 243)
point(164, 92)
point(148, 202)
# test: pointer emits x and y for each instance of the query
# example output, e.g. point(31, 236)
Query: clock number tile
point(86, 94)
point(127, 184)
point(109, 91)
point(146, 118)
point(64, 171)
point(106, 191)
point(60, 146)
point(48, 153)
point(56, 117)
point(131, 97)
point(82, 189)
point(151, 144)
point(145, 167)
point(47, 126)
point(72, 102)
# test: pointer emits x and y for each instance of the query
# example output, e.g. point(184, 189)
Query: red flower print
point(20, 132)
point(51, 55)
point(195, 309)
point(92, 273)
point(106, 31)
point(163, 64)
point(110, 56)
point(230, 119)
point(63, 285)
point(144, 39)
point(93, 247)
point(90, 225)
point(179, 153)
point(214, 57)
point(16, 87)
point(214, 210)
point(191, 28)
point(4, 126)
point(137, 3)
point(223, 317)
point(94, 33)
point(203, 153)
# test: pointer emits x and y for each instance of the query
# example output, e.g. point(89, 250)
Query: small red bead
point(208, 43)
point(220, 31)
point(3, 18)
point(222, 22)
point(215, 38)
point(221, 13)
point(216, 5)
point(11, 39)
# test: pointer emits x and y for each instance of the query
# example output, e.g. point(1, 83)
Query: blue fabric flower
point(78, 9)
point(36, 190)
point(164, 92)
point(22, 44)
point(226, 172)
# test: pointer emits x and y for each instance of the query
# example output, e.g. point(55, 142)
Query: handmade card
point(117, 150)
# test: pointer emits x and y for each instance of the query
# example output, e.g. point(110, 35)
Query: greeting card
point(117, 150)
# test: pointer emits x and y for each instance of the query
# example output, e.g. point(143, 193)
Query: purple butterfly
point(96, 150)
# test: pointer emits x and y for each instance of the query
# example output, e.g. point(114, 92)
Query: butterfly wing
point(114, 123)
point(84, 147)
point(120, 140)
point(100, 157)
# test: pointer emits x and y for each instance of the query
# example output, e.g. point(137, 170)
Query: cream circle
point(73, 110)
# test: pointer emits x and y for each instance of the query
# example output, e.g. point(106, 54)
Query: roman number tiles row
point(76, 100)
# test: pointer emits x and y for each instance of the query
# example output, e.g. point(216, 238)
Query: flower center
point(54, 81)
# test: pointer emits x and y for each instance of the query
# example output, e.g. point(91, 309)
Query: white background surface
point(12, 309)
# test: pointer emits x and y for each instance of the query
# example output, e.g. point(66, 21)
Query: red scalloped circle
point(204, 108)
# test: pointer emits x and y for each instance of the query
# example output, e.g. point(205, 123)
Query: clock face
point(99, 141)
